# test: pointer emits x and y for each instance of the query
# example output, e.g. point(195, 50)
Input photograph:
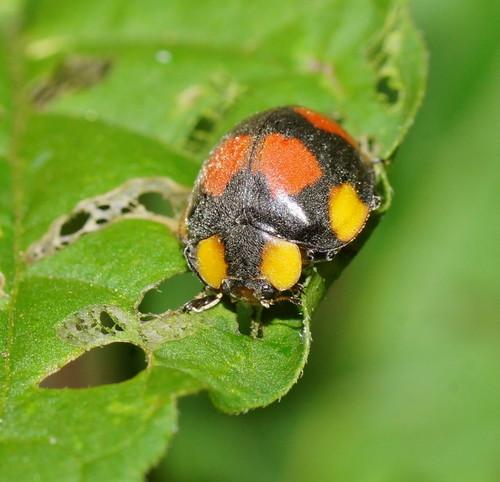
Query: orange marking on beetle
point(212, 265)
point(287, 164)
point(228, 158)
point(348, 214)
point(326, 124)
point(281, 263)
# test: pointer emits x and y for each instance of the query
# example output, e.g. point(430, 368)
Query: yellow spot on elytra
point(212, 266)
point(348, 214)
point(281, 263)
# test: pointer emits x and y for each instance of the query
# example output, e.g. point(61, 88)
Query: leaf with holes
point(107, 110)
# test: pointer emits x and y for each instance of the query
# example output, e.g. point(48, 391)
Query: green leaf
point(103, 103)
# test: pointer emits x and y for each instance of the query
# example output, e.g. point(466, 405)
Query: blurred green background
point(403, 379)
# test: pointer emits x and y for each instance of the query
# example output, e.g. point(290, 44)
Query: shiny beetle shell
point(285, 188)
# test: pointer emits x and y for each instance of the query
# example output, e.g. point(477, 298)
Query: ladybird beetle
point(285, 188)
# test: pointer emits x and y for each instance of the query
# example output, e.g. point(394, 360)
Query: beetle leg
point(201, 304)
point(314, 256)
point(383, 199)
point(292, 299)
point(380, 160)
point(298, 289)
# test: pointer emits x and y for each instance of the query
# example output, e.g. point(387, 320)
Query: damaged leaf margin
point(93, 214)
point(99, 325)
point(102, 324)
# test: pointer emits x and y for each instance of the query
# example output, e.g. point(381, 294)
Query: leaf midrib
point(15, 70)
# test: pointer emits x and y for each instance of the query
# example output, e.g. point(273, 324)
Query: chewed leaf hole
point(371, 144)
point(283, 311)
point(75, 223)
point(113, 363)
point(245, 316)
point(108, 324)
point(200, 135)
point(155, 198)
point(218, 95)
point(385, 88)
point(252, 321)
point(169, 295)
point(72, 74)
point(154, 202)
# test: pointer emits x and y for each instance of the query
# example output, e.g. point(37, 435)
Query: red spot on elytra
point(326, 124)
point(287, 164)
point(228, 158)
